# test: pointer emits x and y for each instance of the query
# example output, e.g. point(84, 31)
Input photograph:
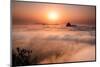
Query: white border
point(5, 33)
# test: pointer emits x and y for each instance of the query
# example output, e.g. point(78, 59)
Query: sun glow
point(53, 16)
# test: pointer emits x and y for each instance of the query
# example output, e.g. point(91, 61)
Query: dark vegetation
point(21, 57)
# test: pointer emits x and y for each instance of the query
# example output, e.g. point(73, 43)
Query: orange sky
point(30, 12)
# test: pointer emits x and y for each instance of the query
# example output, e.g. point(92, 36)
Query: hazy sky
point(30, 12)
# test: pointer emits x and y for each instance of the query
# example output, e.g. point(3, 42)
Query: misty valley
point(44, 44)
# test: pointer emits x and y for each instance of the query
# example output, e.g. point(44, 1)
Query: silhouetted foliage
point(21, 57)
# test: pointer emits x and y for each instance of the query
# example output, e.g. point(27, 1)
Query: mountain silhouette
point(68, 24)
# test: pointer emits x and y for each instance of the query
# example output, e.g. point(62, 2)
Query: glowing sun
point(53, 15)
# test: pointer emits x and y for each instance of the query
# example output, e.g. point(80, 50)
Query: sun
point(52, 15)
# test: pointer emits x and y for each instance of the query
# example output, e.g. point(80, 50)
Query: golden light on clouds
point(45, 13)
